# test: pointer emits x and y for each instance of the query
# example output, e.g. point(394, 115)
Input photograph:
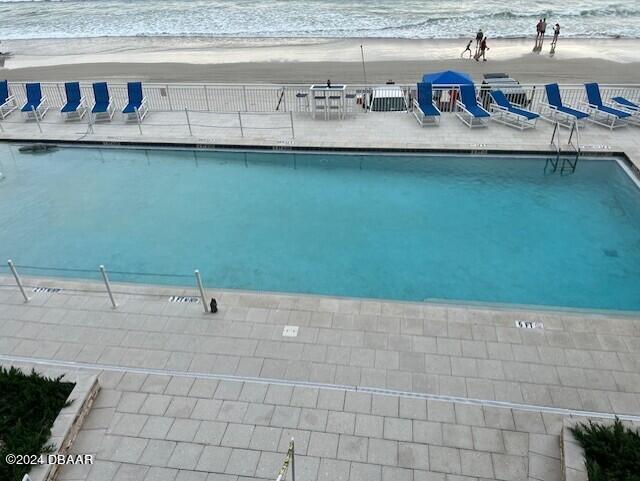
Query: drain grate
point(182, 299)
point(529, 324)
point(48, 290)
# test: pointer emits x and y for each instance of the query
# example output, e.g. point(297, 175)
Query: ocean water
point(489, 229)
point(314, 18)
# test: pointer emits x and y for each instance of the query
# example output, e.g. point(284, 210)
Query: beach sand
point(177, 59)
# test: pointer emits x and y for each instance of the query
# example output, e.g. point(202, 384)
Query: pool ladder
point(569, 162)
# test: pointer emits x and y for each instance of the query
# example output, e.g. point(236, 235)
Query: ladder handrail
point(576, 146)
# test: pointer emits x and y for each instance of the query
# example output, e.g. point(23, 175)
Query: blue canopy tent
point(446, 98)
point(447, 77)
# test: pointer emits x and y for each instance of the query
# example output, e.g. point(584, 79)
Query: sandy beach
point(196, 59)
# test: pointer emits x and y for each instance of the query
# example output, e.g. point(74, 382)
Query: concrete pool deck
point(374, 130)
point(370, 390)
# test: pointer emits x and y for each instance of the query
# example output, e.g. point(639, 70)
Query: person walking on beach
point(468, 49)
point(483, 49)
point(556, 34)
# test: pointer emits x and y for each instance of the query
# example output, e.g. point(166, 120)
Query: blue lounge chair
point(136, 109)
point(505, 112)
point(468, 110)
point(603, 114)
point(558, 112)
point(75, 108)
point(36, 105)
point(424, 109)
point(628, 106)
point(7, 101)
point(103, 108)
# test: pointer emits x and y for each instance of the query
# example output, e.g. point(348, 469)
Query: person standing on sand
point(543, 29)
point(468, 49)
point(479, 37)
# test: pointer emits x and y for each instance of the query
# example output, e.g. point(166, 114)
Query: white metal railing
point(105, 279)
point(284, 98)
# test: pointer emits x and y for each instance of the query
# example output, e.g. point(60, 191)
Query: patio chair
point(76, 107)
point(7, 101)
point(36, 105)
point(468, 110)
point(558, 112)
point(628, 106)
point(136, 109)
point(424, 108)
point(600, 113)
point(103, 108)
point(511, 114)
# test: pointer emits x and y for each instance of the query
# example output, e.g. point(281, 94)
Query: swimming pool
point(404, 227)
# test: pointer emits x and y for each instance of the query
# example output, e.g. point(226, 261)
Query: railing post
point(206, 98)
point(293, 132)
point(241, 128)
point(138, 119)
point(186, 113)
point(35, 115)
point(169, 96)
point(244, 96)
point(108, 286)
point(89, 121)
point(202, 296)
point(1, 127)
point(18, 281)
point(293, 461)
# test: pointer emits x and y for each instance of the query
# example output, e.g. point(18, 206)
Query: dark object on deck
point(213, 306)
point(37, 148)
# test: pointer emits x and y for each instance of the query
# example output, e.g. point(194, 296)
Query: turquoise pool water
point(489, 229)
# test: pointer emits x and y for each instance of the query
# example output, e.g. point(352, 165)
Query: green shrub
point(29, 405)
point(612, 452)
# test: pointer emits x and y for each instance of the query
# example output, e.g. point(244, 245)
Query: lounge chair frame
point(602, 117)
point(634, 111)
point(468, 118)
point(505, 116)
point(105, 116)
point(39, 111)
point(9, 104)
point(424, 119)
point(552, 114)
point(140, 111)
point(76, 114)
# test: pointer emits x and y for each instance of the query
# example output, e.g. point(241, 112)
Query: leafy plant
point(612, 452)
point(29, 405)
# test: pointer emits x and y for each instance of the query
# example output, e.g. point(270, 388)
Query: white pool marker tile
point(290, 331)
point(47, 290)
point(181, 299)
point(529, 324)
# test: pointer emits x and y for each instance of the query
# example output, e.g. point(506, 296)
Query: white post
point(186, 113)
point(202, 296)
point(244, 96)
point(240, 120)
point(169, 96)
point(18, 281)
point(106, 283)
point(293, 132)
point(35, 115)
point(293, 461)
point(206, 98)
point(138, 119)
